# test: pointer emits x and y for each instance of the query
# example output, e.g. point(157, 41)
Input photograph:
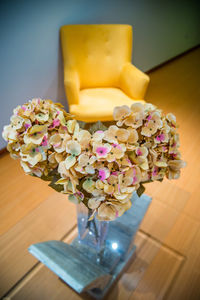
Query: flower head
point(103, 168)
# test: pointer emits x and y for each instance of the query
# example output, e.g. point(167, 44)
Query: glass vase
point(93, 232)
point(107, 243)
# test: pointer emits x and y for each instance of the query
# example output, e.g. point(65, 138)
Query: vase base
point(81, 267)
point(100, 293)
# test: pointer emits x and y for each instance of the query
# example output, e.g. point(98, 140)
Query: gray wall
point(30, 58)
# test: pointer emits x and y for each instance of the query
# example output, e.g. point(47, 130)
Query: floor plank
point(19, 194)
point(51, 220)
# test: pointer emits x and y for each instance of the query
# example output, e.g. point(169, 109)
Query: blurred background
point(30, 54)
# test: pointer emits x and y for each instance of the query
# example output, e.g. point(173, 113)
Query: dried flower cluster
point(103, 168)
point(30, 133)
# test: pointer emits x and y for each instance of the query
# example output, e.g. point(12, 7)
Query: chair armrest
point(72, 86)
point(133, 81)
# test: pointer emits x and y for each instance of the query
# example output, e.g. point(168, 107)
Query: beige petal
point(93, 203)
point(83, 160)
point(106, 212)
point(84, 137)
point(133, 136)
point(70, 161)
point(123, 135)
point(73, 148)
point(137, 108)
point(160, 164)
point(121, 112)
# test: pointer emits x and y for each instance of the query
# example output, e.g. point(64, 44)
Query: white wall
point(30, 57)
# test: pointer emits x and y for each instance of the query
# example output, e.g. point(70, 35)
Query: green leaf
point(97, 126)
point(161, 179)
point(58, 187)
point(49, 177)
point(140, 190)
point(82, 124)
point(73, 199)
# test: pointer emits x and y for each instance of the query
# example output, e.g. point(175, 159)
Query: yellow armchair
point(98, 74)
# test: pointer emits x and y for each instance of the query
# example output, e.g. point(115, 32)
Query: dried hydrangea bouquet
point(98, 166)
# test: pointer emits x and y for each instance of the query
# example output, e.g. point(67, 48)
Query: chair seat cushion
point(98, 104)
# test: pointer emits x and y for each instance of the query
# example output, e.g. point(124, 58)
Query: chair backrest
point(96, 52)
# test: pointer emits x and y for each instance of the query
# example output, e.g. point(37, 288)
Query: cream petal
point(80, 169)
point(33, 160)
point(84, 137)
point(99, 184)
point(134, 120)
point(108, 189)
point(37, 128)
point(59, 157)
point(94, 203)
point(62, 181)
point(98, 136)
point(123, 135)
point(34, 139)
point(17, 121)
point(160, 164)
point(173, 174)
point(88, 185)
point(137, 108)
point(144, 165)
point(110, 135)
point(26, 167)
point(106, 212)
point(51, 158)
point(71, 125)
point(42, 117)
point(92, 159)
point(90, 170)
point(96, 192)
point(83, 160)
point(70, 161)
point(176, 164)
point(73, 148)
point(121, 112)
point(120, 196)
point(133, 136)
point(9, 133)
point(171, 118)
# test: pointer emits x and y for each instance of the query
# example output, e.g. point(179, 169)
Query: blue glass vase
point(91, 233)
point(104, 242)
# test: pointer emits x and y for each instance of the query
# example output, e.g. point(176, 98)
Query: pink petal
point(115, 173)
point(44, 141)
point(134, 180)
point(139, 152)
point(56, 145)
point(118, 188)
point(26, 125)
point(102, 174)
point(102, 151)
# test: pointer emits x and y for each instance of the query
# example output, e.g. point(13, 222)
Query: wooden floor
point(167, 263)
